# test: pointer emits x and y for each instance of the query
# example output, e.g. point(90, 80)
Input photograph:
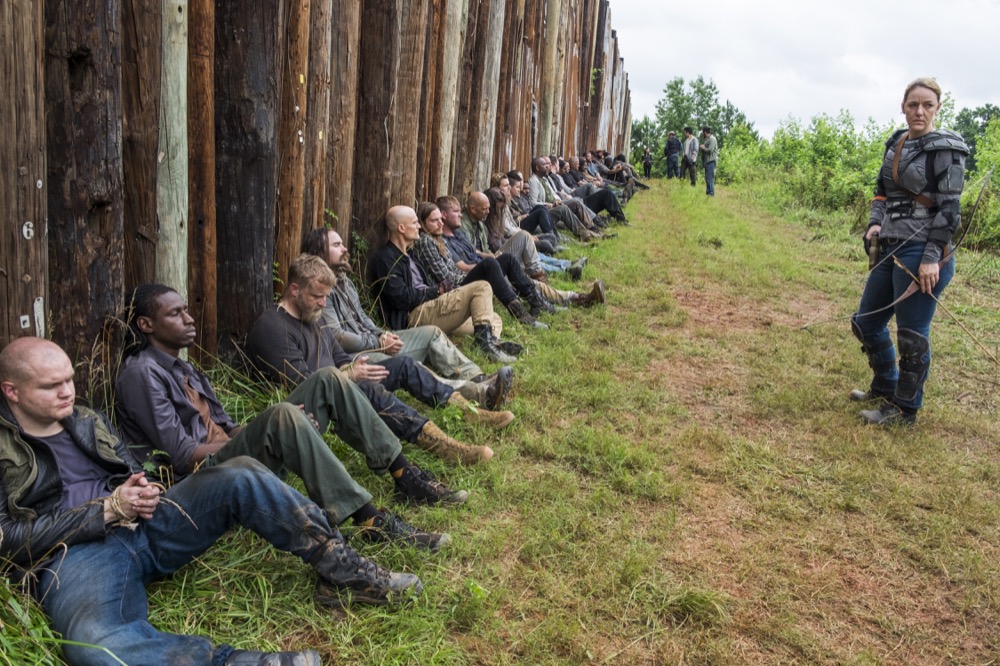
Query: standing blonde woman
point(914, 215)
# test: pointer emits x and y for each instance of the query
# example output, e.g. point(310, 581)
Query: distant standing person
point(690, 158)
point(709, 155)
point(647, 162)
point(672, 151)
point(913, 218)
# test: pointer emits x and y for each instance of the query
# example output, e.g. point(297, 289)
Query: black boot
point(539, 304)
point(256, 658)
point(482, 337)
point(346, 577)
point(516, 308)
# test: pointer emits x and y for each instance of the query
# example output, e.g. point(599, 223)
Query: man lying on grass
point(83, 525)
point(165, 404)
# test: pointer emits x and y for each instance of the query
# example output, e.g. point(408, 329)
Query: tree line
point(827, 164)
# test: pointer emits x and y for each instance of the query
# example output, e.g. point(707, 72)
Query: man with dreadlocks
point(166, 404)
point(86, 530)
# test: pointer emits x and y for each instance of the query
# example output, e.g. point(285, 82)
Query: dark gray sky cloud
point(801, 59)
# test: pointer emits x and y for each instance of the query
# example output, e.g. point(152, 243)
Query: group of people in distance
point(88, 516)
point(682, 158)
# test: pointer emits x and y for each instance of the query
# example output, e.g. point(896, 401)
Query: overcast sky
point(779, 58)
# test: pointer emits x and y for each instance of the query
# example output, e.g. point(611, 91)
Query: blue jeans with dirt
point(95, 592)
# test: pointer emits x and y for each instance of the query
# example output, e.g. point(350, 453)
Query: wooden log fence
point(197, 141)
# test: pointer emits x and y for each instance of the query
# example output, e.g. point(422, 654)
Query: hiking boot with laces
point(257, 658)
point(509, 347)
point(345, 577)
point(499, 387)
point(388, 527)
point(480, 415)
point(419, 485)
point(597, 295)
point(434, 440)
point(483, 339)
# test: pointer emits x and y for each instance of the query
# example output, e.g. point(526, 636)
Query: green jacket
point(32, 523)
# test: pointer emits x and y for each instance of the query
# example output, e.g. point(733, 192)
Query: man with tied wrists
point(67, 482)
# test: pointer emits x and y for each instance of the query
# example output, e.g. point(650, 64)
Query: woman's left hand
point(928, 275)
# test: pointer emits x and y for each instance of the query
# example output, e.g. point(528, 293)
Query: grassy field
point(686, 483)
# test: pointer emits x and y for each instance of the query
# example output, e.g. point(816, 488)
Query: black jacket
point(392, 286)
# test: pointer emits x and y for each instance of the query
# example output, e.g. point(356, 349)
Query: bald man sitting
point(82, 522)
point(408, 297)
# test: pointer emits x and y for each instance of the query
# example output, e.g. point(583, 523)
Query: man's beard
point(342, 266)
point(310, 316)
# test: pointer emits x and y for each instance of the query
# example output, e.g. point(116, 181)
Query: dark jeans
point(605, 200)
point(886, 283)
point(95, 592)
point(647, 169)
point(404, 373)
point(690, 168)
point(673, 166)
point(489, 270)
point(538, 218)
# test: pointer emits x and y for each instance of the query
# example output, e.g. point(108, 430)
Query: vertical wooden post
point(84, 162)
point(372, 170)
point(23, 188)
point(172, 157)
point(247, 90)
point(292, 129)
point(201, 177)
point(455, 20)
point(318, 119)
point(345, 58)
point(549, 48)
point(406, 110)
point(141, 62)
point(488, 97)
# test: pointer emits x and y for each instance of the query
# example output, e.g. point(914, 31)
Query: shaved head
point(19, 359)
point(397, 215)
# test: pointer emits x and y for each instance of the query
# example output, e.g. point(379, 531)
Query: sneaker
point(345, 577)
point(888, 415)
point(256, 658)
point(388, 527)
point(419, 485)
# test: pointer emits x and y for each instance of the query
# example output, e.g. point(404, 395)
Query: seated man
point(598, 200)
point(83, 524)
point(547, 238)
point(492, 231)
point(408, 297)
point(461, 263)
point(357, 333)
point(287, 344)
point(573, 215)
point(166, 404)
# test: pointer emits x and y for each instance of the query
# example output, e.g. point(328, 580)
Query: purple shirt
point(83, 479)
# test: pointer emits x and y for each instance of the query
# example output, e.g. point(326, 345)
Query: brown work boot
point(432, 439)
point(481, 415)
point(597, 295)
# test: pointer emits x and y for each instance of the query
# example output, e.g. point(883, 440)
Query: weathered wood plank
point(293, 120)
point(202, 241)
point(318, 115)
point(141, 62)
point(247, 81)
point(84, 164)
point(345, 54)
point(172, 155)
point(23, 179)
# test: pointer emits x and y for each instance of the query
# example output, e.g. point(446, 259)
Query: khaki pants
point(451, 311)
